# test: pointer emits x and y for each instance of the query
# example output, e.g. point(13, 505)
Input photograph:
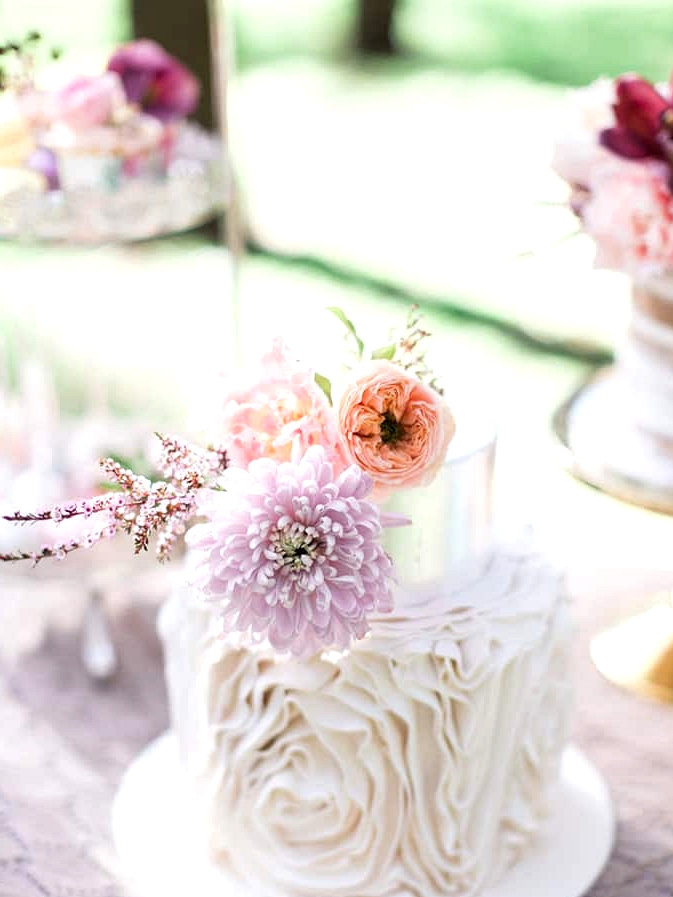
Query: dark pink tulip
point(641, 115)
point(639, 107)
point(623, 143)
point(155, 80)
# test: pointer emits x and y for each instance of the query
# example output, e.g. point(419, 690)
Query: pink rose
point(279, 414)
point(394, 427)
point(88, 102)
point(629, 215)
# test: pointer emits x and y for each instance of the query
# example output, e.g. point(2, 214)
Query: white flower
point(577, 153)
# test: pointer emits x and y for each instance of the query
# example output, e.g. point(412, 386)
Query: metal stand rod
point(223, 60)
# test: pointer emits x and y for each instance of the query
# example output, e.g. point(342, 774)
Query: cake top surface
point(499, 601)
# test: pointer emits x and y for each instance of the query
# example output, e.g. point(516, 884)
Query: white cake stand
point(601, 446)
point(156, 843)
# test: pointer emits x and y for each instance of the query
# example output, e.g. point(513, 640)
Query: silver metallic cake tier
point(451, 519)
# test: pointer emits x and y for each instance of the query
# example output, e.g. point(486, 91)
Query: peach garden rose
point(396, 428)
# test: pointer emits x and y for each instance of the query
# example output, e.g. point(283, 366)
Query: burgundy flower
point(155, 80)
point(643, 126)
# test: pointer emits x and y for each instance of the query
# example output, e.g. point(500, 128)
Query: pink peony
point(88, 102)
point(394, 427)
point(629, 215)
point(278, 413)
point(293, 554)
point(155, 80)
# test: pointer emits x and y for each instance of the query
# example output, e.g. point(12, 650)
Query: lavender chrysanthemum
point(293, 554)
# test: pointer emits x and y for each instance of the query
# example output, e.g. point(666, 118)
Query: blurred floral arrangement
point(291, 497)
point(107, 157)
point(616, 153)
point(99, 128)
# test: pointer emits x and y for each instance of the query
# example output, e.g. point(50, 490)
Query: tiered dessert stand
point(193, 191)
point(596, 446)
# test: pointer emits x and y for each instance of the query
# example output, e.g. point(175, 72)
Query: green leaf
point(325, 385)
point(387, 352)
point(350, 327)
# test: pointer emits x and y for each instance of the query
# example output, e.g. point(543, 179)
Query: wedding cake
point(422, 761)
point(369, 689)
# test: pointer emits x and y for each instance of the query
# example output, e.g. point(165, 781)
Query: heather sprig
point(140, 507)
point(406, 349)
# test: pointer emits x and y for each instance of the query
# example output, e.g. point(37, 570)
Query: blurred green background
point(558, 41)
point(425, 169)
point(368, 181)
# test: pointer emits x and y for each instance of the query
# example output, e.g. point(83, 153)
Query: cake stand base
point(600, 446)
point(155, 841)
point(637, 654)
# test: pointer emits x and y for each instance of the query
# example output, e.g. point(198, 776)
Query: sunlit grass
point(77, 28)
point(563, 41)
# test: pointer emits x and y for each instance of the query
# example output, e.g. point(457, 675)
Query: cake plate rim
point(576, 840)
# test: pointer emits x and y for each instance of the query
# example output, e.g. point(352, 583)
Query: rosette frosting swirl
point(416, 764)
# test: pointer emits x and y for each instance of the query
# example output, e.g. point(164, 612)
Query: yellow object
point(16, 140)
point(637, 654)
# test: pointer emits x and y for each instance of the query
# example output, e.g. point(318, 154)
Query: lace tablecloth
point(65, 741)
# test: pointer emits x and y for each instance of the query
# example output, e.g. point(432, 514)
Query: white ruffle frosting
point(419, 763)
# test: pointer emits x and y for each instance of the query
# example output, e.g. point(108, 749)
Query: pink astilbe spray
point(140, 507)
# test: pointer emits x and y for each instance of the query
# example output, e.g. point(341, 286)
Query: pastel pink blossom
point(89, 101)
point(396, 428)
point(629, 215)
point(292, 554)
point(278, 413)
